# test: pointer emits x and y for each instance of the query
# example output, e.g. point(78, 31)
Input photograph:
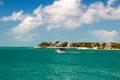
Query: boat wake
point(58, 51)
point(74, 52)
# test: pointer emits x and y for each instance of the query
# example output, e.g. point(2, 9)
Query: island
point(80, 45)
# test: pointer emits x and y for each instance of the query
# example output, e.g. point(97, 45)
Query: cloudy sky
point(29, 22)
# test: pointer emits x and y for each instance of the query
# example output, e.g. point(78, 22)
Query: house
point(108, 46)
point(69, 44)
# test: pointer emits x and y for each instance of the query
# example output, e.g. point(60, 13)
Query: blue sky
point(29, 22)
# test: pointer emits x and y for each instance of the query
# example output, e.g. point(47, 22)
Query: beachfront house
point(69, 44)
point(59, 44)
point(108, 46)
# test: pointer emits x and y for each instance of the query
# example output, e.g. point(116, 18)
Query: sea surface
point(26, 63)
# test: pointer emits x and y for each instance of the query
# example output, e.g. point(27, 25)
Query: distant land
point(80, 45)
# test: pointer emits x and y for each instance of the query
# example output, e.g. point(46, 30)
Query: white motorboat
point(60, 50)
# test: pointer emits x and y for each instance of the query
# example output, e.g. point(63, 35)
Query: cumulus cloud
point(110, 2)
point(67, 14)
point(14, 17)
point(27, 24)
point(1, 2)
point(104, 35)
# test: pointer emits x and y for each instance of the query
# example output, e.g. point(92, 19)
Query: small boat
point(60, 50)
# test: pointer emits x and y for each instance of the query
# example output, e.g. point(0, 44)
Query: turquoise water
point(46, 64)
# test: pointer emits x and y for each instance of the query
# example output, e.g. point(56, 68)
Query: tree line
point(111, 45)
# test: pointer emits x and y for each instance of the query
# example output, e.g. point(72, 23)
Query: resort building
point(108, 46)
point(69, 44)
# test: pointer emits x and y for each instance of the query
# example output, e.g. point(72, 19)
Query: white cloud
point(25, 37)
point(101, 12)
point(104, 35)
point(1, 2)
point(67, 14)
point(110, 2)
point(63, 12)
point(27, 24)
point(14, 17)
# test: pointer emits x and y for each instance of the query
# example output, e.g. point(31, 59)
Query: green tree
point(64, 44)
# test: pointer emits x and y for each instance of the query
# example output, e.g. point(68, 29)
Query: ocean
point(26, 63)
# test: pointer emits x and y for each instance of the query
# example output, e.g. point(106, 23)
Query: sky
point(29, 22)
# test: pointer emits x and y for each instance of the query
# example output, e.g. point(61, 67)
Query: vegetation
point(99, 45)
point(45, 44)
point(115, 45)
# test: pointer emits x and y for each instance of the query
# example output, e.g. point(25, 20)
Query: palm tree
point(64, 44)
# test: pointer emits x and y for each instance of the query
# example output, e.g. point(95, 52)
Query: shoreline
point(71, 48)
point(80, 45)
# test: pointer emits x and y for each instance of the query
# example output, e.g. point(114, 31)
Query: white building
point(69, 44)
